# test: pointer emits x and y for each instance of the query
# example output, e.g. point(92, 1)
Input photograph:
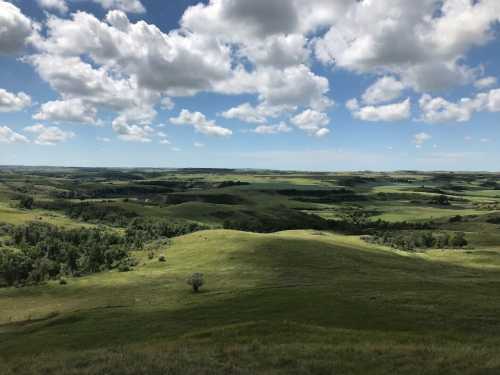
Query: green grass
point(17, 216)
point(297, 302)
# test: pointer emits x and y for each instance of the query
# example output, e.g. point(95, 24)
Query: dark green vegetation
point(295, 273)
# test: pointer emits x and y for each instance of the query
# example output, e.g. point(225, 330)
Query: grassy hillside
point(304, 302)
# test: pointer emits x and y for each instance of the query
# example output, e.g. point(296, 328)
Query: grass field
point(289, 302)
point(352, 305)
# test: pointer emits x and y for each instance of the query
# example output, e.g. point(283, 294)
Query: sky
point(324, 85)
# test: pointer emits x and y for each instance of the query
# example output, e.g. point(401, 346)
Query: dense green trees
point(141, 230)
point(39, 252)
point(414, 240)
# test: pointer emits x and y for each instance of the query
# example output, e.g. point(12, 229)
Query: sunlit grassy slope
point(299, 302)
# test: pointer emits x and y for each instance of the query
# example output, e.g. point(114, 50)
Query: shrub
point(162, 258)
point(196, 281)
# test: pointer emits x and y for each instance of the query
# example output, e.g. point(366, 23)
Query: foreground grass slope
point(290, 302)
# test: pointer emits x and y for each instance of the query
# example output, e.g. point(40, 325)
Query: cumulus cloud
point(58, 5)
point(420, 138)
point(49, 135)
point(389, 112)
point(133, 133)
point(15, 28)
point(264, 48)
point(243, 20)
point(312, 122)
point(167, 103)
point(438, 109)
point(293, 86)
point(10, 102)
point(385, 89)
point(129, 6)
point(421, 41)
point(7, 135)
point(152, 64)
point(177, 63)
point(257, 115)
point(200, 123)
point(282, 127)
point(280, 51)
point(486, 82)
point(71, 110)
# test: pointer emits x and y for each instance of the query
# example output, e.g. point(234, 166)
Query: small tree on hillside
point(196, 281)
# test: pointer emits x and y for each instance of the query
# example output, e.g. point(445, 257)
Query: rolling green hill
point(295, 302)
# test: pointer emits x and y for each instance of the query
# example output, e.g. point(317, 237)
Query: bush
point(162, 258)
point(196, 281)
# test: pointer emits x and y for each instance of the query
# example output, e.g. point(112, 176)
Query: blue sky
point(277, 84)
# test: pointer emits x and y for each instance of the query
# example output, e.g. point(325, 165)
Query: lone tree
point(196, 281)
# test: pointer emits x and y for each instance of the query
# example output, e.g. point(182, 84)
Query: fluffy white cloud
point(420, 138)
point(389, 112)
point(422, 41)
point(385, 89)
point(312, 122)
point(167, 103)
point(15, 28)
point(437, 109)
point(59, 5)
point(293, 86)
point(73, 78)
point(441, 110)
point(129, 6)
point(7, 135)
point(133, 133)
point(280, 51)
point(198, 144)
point(71, 110)
point(200, 123)
point(177, 63)
point(485, 82)
point(49, 135)
point(117, 64)
point(491, 100)
point(282, 127)
point(256, 115)
point(10, 102)
point(243, 20)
